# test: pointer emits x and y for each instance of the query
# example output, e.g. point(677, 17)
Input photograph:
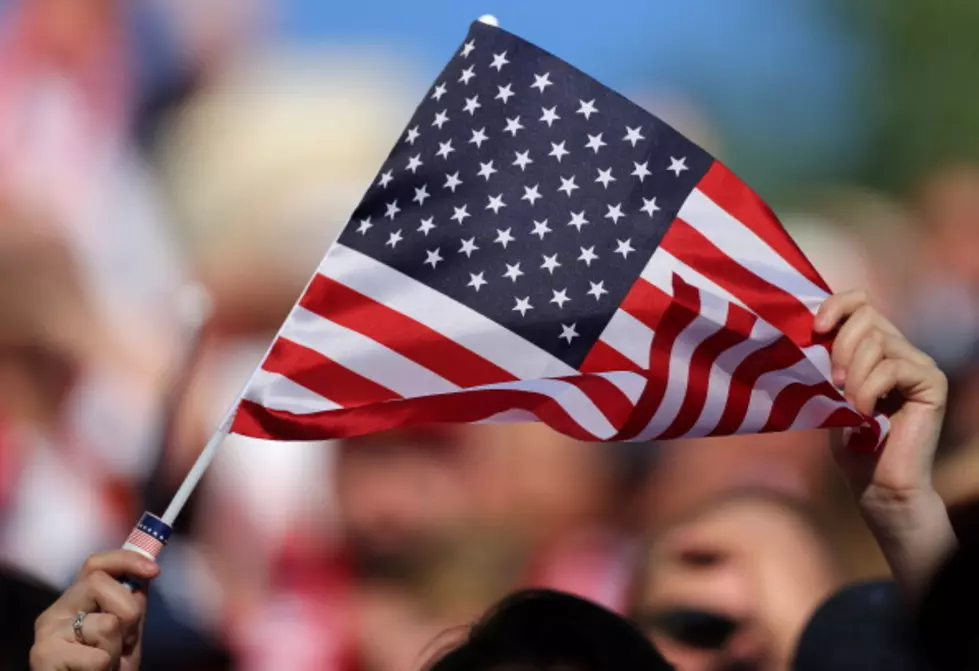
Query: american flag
point(538, 247)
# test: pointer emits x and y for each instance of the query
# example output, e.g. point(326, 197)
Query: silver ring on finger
point(77, 624)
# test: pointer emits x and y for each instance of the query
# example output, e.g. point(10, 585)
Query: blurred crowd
point(168, 182)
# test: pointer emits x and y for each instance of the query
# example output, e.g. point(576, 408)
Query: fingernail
point(839, 376)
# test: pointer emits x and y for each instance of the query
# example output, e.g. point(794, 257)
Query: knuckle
point(38, 656)
point(42, 622)
point(128, 614)
point(113, 625)
point(90, 566)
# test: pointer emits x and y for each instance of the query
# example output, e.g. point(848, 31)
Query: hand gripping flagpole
point(151, 533)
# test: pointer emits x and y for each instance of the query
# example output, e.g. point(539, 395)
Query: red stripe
point(604, 358)
point(324, 376)
point(257, 421)
point(725, 188)
point(678, 316)
point(737, 329)
point(646, 302)
point(780, 354)
point(776, 306)
point(412, 339)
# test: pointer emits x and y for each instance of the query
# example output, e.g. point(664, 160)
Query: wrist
point(913, 530)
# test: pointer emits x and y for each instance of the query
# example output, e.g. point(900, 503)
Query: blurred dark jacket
point(22, 600)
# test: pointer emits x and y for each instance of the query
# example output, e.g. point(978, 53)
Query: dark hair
point(544, 630)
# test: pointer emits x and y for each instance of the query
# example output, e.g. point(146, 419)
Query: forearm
point(914, 534)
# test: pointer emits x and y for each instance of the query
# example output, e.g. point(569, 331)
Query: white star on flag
point(624, 247)
point(633, 135)
point(523, 304)
point(558, 151)
point(476, 280)
point(531, 193)
point(504, 93)
point(597, 289)
point(549, 115)
point(587, 109)
point(486, 170)
point(495, 203)
point(513, 271)
point(678, 165)
point(452, 181)
point(642, 170)
point(560, 297)
point(649, 206)
point(478, 138)
point(523, 160)
point(433, 257)
point(588, 255)
point(541, 82)
point(614, 213)
point(595, 142)
point(568, 185)
point(499, 60)
point(504, 237)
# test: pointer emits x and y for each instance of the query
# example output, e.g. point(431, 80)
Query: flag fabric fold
point(537, 247)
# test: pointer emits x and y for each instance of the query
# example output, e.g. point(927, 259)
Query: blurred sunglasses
point(698, 629)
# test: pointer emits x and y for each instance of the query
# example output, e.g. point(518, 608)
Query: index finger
point(837, 308)
point(119, 564)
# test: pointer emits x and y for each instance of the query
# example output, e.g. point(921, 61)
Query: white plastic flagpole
point(151, 533)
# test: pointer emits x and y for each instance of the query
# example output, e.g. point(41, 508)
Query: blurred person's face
point(401, 495)
point(734, 587)
point(694, 471)
point(530, 477)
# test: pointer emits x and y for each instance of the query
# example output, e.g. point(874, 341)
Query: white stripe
point(679, 373)
point(629, 337)
point(629, 383)
point(819, 356)
point(719, 385)
point(450, 318)
point(364, 356)
point(661, 267)
point(743, 246)
point(277, 392)
point(574, 401)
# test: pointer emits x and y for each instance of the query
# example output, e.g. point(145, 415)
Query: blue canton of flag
point(527, 191)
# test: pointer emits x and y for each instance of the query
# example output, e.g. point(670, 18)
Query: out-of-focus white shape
point(267, 164)
point(55, 518)
point(489, 20)
point(836, 255)
point(194, 305)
